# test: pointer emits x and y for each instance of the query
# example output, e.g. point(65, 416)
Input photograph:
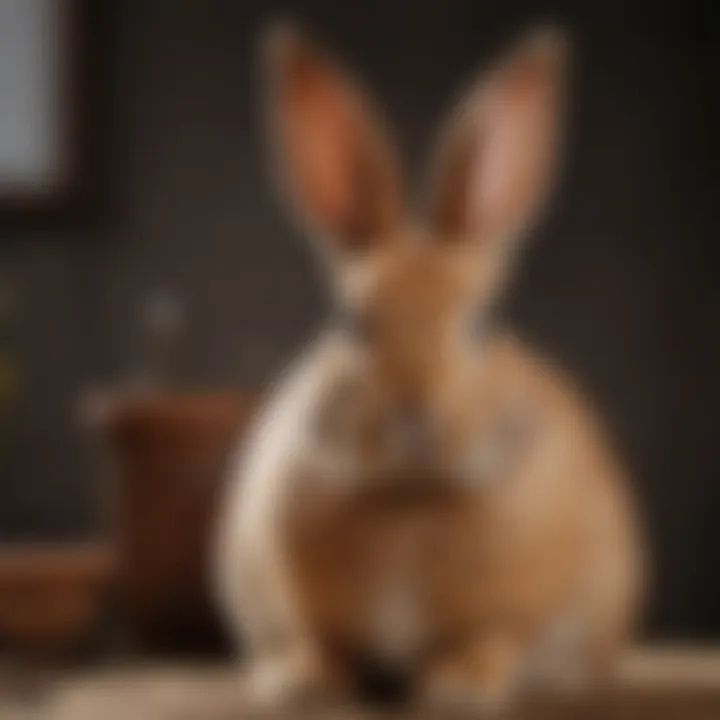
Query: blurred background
point(151, 283)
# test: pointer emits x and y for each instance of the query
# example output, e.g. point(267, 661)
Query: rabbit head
point(411, 288)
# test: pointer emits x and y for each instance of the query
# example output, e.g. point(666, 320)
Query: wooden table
point(657, 684)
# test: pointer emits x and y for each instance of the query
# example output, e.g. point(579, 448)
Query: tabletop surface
point(658, 684)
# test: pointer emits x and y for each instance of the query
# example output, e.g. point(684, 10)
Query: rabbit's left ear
point(334, 154)
point(496, 160)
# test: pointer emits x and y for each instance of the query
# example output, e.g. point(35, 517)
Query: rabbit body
point(467, 575)
point(415, 494)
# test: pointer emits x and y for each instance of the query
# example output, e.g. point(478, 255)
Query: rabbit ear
point(333, 153)
point(496, 159)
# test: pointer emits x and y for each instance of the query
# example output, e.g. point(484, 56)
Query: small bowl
point(52, 597)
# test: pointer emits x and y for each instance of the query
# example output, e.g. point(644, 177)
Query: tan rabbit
point(418, 494)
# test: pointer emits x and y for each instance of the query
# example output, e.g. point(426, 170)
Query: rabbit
point(422, 492)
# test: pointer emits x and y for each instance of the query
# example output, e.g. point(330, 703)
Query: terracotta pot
point(168, 455)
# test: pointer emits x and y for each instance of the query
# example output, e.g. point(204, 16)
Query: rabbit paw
point(479, 680)
point(461, 699)
point(289, 682)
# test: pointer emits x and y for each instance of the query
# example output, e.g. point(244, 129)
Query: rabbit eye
point(352, 323)
point(478, 325)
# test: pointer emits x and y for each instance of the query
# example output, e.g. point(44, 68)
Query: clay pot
point(167, 458)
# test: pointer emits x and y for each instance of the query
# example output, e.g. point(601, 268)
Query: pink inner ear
point(501, 171)
point(510, 174)
point(321, 151)
point(490, 177)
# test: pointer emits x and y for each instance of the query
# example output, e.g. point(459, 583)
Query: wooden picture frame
point(41, 105)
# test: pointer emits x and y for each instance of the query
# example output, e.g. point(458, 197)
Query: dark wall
point(618, 284)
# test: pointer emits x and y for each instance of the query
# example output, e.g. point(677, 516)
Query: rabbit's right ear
point(333, 153)
point(497, 159)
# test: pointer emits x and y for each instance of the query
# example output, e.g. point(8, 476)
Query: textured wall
point(617, 283)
